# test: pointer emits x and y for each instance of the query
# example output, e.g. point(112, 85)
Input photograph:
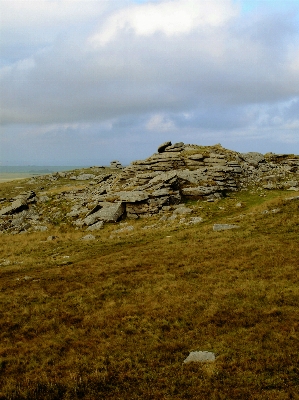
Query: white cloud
point(174, 17)
point(36, 14)
point(160, 123)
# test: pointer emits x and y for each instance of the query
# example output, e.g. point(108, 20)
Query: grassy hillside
point(115, 317)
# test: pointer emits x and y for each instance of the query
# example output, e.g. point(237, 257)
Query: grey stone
point(215, 161)
point(16, 206)
point(88, 237)
point(165, 177)
point(200, 356)
point(40, 228)
point(128, 228)
point(175, 147)
point(163, 218)
point(199, 190)
point(132, 215)
point(163, 157)
point(195, 176)
point(253, 158)
point(111, 213)
point(50, 238)
point(223, 227)
point(161, 192)
point(43, 199)
point(195, 220)
point(74, 213)
point(196, 157)
point(115, 164)
point(85, 177)
point(163, 146)
point(95, 227)
point(183, 210)
point(79, 223)
point(133, 196)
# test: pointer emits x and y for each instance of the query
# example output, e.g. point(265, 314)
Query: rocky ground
point(160, 185)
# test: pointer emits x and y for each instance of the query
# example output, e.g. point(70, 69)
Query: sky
point(85, 82)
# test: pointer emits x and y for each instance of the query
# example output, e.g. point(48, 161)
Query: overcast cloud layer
point(85, 82)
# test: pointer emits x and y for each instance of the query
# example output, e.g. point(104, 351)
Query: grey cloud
point(229, 79)
point(70, 83)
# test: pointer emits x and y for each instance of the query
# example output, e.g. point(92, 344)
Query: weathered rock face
point(147, 187)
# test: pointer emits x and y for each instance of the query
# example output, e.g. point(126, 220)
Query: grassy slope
point(115, 318)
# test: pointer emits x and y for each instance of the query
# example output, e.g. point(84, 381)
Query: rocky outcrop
point(146, 187)
point(115, 164)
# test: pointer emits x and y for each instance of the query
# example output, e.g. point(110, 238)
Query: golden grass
point(114, 318)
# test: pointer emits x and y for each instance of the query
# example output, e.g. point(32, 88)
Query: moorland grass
point(114, 318)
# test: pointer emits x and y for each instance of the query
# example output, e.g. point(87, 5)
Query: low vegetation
point(115, 317)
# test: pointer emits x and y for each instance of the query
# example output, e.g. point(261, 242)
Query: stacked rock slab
point(175, 172)
point(179, 171)
point(115, 164)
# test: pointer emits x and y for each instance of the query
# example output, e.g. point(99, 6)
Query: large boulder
point(163, 146)
point(109, 213)
point(253, 158)
point(16, 206)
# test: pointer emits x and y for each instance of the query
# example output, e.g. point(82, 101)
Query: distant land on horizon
point(15, 172)
point(38, 169)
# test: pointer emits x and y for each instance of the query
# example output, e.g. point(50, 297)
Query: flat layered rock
point(195, 176)
point(133, 196)
point(196, 157)
point(199, 190)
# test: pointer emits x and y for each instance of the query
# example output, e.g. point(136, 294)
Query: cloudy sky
point(84, 82)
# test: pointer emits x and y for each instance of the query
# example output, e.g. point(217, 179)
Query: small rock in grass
point(183, 210)
point(163, 218)
point(88, 237)
point(40, 228)
point(124, 229)
point(200, 356)
point(95, 227)
point(195, 220)
point(6, 262)
point(223, 227)
point(52, 237)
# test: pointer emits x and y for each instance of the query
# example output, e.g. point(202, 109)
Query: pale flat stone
point(88, 237)
point(200, 356)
